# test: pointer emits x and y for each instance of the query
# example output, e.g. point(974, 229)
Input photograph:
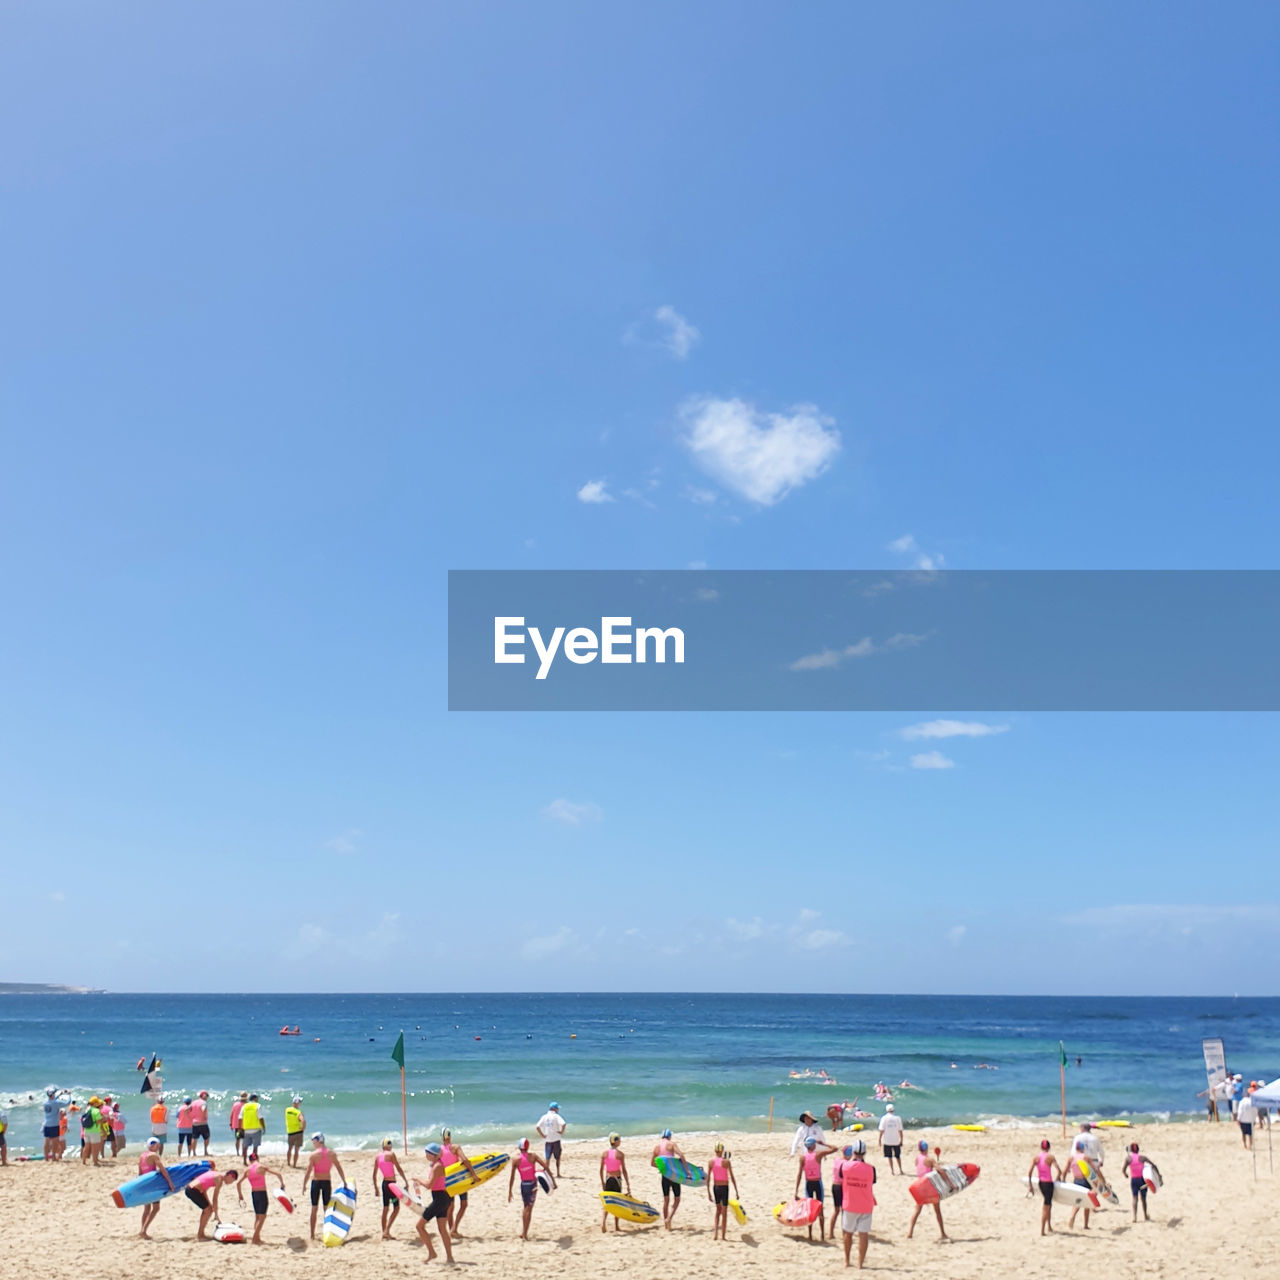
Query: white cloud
point(57, 896)
point(952, 729)
point(864, 648)
point(821, 939)
point(761, 457)
point(702, 497)
point(679, 336)
point(345, 842)
point(930, 561)
point(571, 813)
point(696, 564)
point(932, 760)
point(595, 491)
point(548, 945)
point(746, 930)
point(955, 934)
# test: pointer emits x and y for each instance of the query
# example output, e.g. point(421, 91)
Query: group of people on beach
point(1083, 1169)
point(851, 1176)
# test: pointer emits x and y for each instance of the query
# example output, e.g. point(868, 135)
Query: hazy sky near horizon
point(305, 305)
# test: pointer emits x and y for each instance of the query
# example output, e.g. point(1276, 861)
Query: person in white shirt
point(891, 1136)
point(809, 1128)
point(552, 1128)
point(1246, 1114)
point(1087, 1143)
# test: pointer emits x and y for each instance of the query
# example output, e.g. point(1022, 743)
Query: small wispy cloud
point(665, 330)
point(955, 935)
point(699, 496)
point(345, 842)
point(572, 813)
point(550, 944)
point(759, 456)
point(595, 491)
point(825, 659)
point(951, 729)
point(679, 336)
point(908, 546)
point(932, 760)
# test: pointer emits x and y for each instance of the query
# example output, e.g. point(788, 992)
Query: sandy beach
point(1211, 1220)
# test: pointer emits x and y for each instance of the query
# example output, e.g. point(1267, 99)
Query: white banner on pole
point(1215, 1061)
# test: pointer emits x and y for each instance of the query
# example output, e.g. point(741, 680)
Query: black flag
point(152, 1082)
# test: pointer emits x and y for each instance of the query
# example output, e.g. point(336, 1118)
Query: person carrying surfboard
point(667, 1146)
point(150, 1161)
point(526, 1165)
point(1085, 1145)
point(1044, 1172)
point(1133, 1165)
point(613, 1173)
point(436, 1186)
point(256, 1176)
point(386, 1165)
point(810, 1169)
point(722, 1176)
point(318, 1174)
point(925, 1164)
point(451, 1155)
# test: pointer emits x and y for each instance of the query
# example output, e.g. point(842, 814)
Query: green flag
point(1062, 1053)
point(397, 1054)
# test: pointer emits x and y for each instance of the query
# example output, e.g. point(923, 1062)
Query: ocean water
point(487, 1065)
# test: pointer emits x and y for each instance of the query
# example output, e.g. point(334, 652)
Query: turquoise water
point(638, 1063)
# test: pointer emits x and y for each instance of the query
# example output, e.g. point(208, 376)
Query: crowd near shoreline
point(840, 1171)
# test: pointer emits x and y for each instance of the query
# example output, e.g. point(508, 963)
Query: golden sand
point(1211, 1221)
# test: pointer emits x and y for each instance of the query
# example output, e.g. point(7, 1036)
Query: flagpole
point(1062, 1082)
point(397, 1056)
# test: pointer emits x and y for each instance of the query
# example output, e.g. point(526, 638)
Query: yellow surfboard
point(626, 1208)
point(970, 1128)
point(738, 1211)
point(457, 1180)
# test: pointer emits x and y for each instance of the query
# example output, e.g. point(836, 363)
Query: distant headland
point(46, 989)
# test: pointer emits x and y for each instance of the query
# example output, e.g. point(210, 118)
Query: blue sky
point(304, 306)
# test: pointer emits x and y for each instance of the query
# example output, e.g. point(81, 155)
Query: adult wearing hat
point(809, 1128)
point(552, 1127)
point(859, 1199)
point(320, 1175)
point(295, 1126)
point(891, 1136)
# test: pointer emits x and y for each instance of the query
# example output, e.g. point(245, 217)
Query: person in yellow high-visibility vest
point(254, 1124)
point(295, 1125)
